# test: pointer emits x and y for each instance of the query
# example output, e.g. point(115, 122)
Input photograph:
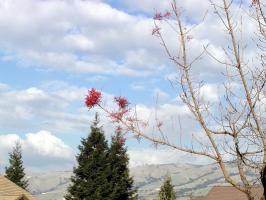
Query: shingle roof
point(10, 191)
point(199, 198)
point(229, 193)
point(12, 197)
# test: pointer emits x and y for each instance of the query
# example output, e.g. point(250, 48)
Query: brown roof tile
point(229, 193)
point(12, 197)
point(10, 191)
point(199, 198)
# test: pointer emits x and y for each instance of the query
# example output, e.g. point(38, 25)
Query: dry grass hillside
point(187, 179)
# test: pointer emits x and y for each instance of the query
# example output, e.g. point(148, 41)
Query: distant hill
point(187, 179)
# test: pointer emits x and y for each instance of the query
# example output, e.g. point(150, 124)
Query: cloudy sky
point(53, 51)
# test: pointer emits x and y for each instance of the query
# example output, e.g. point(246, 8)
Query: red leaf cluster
point(159, 124)
point(121, 102)
point(167, 14)
point(156, 31)
point(158, 16)
point(122, 140)
point(93, 98)
point(254, 2)
point(118, 129)
point(117, 116)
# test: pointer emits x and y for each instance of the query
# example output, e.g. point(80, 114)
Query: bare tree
point(234, 127)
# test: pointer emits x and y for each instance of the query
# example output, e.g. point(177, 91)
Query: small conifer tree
point(191, 197)
point(89, 181)
point(121, 183)
point(15, 171)
point(167, 190)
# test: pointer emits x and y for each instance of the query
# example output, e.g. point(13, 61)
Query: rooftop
point(10, 191)
point(229, 193)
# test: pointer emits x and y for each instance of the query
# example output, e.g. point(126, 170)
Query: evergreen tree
point(89, 181)
point(121, 183)
point(15, 172)
point(191, 197)
point(167, 190)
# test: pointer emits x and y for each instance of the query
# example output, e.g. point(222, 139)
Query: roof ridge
point(255, 186)
point(9, 188)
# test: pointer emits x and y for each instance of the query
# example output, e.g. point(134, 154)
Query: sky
point(53, 51)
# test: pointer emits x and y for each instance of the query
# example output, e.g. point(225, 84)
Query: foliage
point(102, 173)
point(90, 176)
point(121, 182)
point(232, 127)
point(167, 190)
point(15, 171)
point(93, 98)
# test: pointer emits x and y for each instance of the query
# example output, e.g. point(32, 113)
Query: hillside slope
point(187, 179)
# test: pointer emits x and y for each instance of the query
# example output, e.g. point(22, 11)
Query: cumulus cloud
point(160, 94)
point(177, 123)
point(78, 39)
point(44, 107)
point(211, 92)
point(7, 141)
point(94, 37)
point(45, 144)
point(149, 156)
point(49, 107)
point(137, 86)
point(38, 148)
point(152, 6)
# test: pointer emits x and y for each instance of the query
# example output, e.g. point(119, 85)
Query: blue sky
point(52, 52)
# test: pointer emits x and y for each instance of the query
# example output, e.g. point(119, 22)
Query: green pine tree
point(167, 190)
point(89, 181)
point(191, 197)
point(15, 172)
point(121, 183)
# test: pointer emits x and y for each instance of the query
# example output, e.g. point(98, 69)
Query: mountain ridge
point(188, 179)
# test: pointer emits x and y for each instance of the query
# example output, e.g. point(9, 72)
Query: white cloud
point(149, 156)
point(93, 37)
point(59, 107)
point(146, 5)
point(78, 42)
point(48, 108)
point(137, 86)
point(45, 144)
point(3, 86)
point(77, 36)
point(162, 110)
point(8, 141)
point(151, 6)
point(36, 147)
point(160, 94)
point(97, 78)
point(79, 39)
point(211, 92)
point(177, 123)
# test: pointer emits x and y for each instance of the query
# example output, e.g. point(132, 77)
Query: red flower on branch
point(159, 124)
point(254, 2)
point(156, 31)
point(158, 16)
point(122, 140)
point(121, 102)
point(118, 129)
point(131, 119)
point(93, 98)
point(117, 116)
point(167, 14)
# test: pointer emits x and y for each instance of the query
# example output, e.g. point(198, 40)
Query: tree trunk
point(263, 180)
